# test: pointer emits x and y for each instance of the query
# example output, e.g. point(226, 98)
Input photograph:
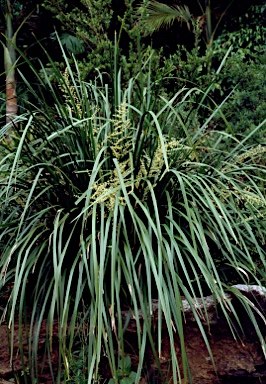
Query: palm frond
point(163, 15)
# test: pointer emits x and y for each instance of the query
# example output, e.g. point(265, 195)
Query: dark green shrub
point(245, 109)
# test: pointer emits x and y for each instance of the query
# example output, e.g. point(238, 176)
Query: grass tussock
point(112, 196)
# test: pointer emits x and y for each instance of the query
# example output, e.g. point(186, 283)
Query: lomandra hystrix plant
point(103, 208)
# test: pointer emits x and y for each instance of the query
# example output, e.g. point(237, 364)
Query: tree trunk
point(9, 60)
point(11, 96)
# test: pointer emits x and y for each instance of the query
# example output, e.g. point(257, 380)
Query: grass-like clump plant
point(109, 199)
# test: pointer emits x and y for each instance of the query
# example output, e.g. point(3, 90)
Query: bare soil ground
point(239, 361)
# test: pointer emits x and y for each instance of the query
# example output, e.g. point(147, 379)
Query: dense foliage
point(131, 175)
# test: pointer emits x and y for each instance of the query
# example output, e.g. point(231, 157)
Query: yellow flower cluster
point(251, 153)
point(70, 95)
point(177, 145)
point(120, 142)
point(150, 168)
point(246, 197)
